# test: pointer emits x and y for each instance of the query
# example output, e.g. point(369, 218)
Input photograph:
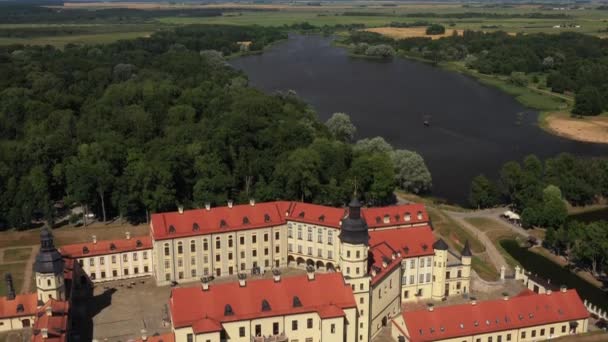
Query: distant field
point(410, 32)
point(61, 41)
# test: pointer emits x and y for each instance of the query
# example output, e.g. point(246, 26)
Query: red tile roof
point(494, 315)
point(327, 295)
point(12, 308)
point(402, 243)
point(55, 323)
point(168, 337)
point(239, 217)
point(395, 215)
point(103, 247)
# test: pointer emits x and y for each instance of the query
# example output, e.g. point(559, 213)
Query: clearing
point(588, 129)
point(410, 32)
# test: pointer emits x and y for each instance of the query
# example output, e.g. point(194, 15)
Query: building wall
point(417, 278)
point(353, 260)
point(15, 323)
point(50, 286)
point(317, 243)
point(439, 268)
point(118, 266)
point(221, 254)
point(385, 301)
point(456, 280)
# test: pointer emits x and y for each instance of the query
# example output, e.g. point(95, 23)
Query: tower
point(465, 259)
point(439, 268)
point(354, 246)
point(49, 269)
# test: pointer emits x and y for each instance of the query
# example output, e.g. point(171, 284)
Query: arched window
point(166, 249)
point(192, 246)
point(48, 282)
point(180, 248)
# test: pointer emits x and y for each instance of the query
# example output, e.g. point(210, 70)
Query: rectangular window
point(290, 232)
point(114, 273)
point(421, 278)
point(146, 269)
point(533, 333)
point(103, 274)
point(190, 338)
point(299, 233)
point(217, 257)
point(275, 328)
point(113, 259)
point(126, 271)
point(241, 331)
point(309, 323)
point(277, 249)
point(406, 294)
point(265, 251)
point(136, 270)
point(523, 334)
point(180, 262)
point(412, 263)
point(167, 276)
point(551, 331)
point(412, 280)
point(330, 237)
point(218, 244)
point(242, 240)
point(421, 262)
point(258, 330)
point(428, 277)
point(254, 253)
point(563, 328)
point(319, 236)
point(266, 237)
point(294, 325)
point(205, 245)
point(242, 254)
point(277, 236)
point(330, 255)
point(229, 256)
point(193, 261)
point(309, 233)
point(145, 255)
point(489, 338)
point(499, 338)
point(309, 250)
point(542, 332)
point(299, 249)
point(193, 273)
point(167, 264)
point(91, 262)
point(320, 253)
point(508, 337)
point(205, 259)
point(134, 256)
point(125, 257)
point(254, 239)
point(101, 260)
point(290, 247)
point(229, 243)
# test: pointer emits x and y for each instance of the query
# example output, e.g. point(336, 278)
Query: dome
point(354, 228)
point(48, 260)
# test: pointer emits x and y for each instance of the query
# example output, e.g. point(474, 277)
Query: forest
point(569, 62)
point(146, 125)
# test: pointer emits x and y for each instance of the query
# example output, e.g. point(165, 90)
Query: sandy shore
point(409, 32)
point(589, 129)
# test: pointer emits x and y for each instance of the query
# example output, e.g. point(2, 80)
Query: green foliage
point(435, 29)
point(484, 193)
point(380, 50)
point(341, 127)
point(588, 101)
point(411, 173)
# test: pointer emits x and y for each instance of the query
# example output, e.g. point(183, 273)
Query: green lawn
point(17, 254)
point(17, 271)
point(454, 234)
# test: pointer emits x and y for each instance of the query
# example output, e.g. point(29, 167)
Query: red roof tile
point(9, 308)
point(402, 242)
point(327, 295)
point(395, 215)
point(56, 324)
point(494, 315)
point(104, 247)
point(239, 217)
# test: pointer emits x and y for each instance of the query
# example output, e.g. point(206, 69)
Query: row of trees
point(584, 244)
point(539, 190)
point(571, 62)
point(145, 125)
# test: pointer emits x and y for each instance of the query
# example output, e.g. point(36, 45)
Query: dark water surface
point(591, 216)
point(474, 128)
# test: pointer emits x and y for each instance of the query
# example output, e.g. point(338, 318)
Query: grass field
point(17, 271)
point(17, 254)
point(61, 41)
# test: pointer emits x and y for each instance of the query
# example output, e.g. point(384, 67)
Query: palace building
point(528, 316)
point(378, 257)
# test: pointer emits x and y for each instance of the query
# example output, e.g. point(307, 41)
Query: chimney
point(242, 279)
point(549, 292)
point(10, 288)
point(563, 288)
point(394, 256)
point(180, 209)
point(205, 283)
point(230, 203)
point(276, 275)
point(420, 215)
point(207, 206)
point(94, 239)
point(505, 296)
point(45, 333)
point(473, 301)
point(128, 235)
point(430, 306)
point(310, 272)
point(384, 264)
point(49, 310)
point(144, 335)
point(252, 202)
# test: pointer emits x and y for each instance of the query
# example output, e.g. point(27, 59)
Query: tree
point(341, 127)
point(593, 245)
point(374, 176)
point(380, 50)
point(435, 29)
point(588, 101)
point(373, 145)
point(299, 173)
point(484, 193)
point(411, 173)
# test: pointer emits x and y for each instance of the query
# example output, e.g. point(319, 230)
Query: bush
point(380, 50)
point(435, 29)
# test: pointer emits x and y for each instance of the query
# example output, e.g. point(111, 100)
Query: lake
point(474, 128)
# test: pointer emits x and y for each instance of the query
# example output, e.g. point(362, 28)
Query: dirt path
point(29, 270)
point(590, 129)
point(495, 257)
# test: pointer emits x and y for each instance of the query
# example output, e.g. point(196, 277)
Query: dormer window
point(228, 310)
point(406, 250)
point(20, 308)
point(296, 302)
point(171, 229)
point(195, 227)
point(425, 247)
point(85, 250)
point(378, 219)
point(419, 215)
point(301, 214)
point(387, 219)
point(322, 218)
point(223, 224)
point(138, 243)
point(407, 216)
point(487, 322)
point(265, 305)
point(112, 247)
point(397, 218)
point(245, 220)
point(476, 323)
point(266, 218)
